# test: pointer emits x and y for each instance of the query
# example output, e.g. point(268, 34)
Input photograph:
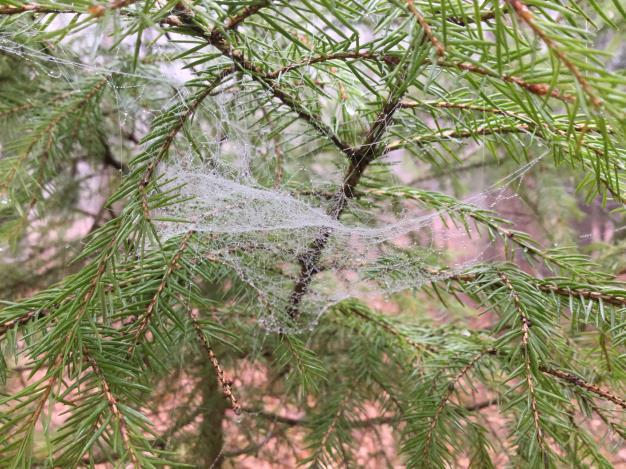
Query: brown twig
point(31, 8)
point(224, 382)
point(441, 51)
point(95, 10)
point(581, 383)
point(360, 158)
point(21, 320)
point(539, 89)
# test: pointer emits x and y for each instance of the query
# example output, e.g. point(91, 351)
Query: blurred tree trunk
point(210, 442)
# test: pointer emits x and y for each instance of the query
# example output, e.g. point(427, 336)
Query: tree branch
point(221, 377)
point(528, 371)
point(581, 383)
point(527, 17)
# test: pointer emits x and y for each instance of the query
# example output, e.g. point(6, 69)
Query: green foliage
point(330, 92)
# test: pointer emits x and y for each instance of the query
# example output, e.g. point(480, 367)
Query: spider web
point(262, 232)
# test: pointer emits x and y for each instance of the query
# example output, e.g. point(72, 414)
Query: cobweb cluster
point(263, 232)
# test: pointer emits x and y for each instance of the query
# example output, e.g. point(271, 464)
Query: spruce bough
point(100, 332)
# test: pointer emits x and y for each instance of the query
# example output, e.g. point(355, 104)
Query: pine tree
point(239, 200)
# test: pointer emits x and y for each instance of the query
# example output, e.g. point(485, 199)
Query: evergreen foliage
point(330, 87)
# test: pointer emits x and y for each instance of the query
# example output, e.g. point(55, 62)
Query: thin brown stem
point(581, 383)
point(221, 377)
point(95, 10)
point(539, 89)
point(441, 51)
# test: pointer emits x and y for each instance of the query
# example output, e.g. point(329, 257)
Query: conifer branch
point(581, 383)
point(144, 321)
point(460, 134)
point(577, 127)
point(539, 89)
point(47, 131)
point(446, 397)
point(391, 329)
point(484, 16)
point(617, 300)
point(335, 420)
point(21, 320)
point(169, 139)
point(517, 304)
point(95, 10)
point(527, 17)
point(221, 376)
point(439, 48)
point(114, 406)
point(360, 159)
point(548, 286)
point(32, 8)
point(615, 427)
point(274, 69)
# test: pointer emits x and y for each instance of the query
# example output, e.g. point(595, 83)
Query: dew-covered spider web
point(266, 233)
